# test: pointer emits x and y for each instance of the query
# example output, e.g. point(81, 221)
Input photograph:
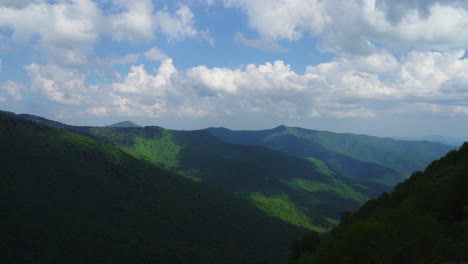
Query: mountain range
point(303, 192)
point(304, 177)
point(68, 198)
point(383, 160)
point(96, 194)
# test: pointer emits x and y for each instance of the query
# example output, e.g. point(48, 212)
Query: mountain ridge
point(78, 199)
point(293, 189)
point(383, 160)
point(124, 124)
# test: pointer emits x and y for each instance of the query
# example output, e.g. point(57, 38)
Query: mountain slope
point(382, 160)
point(67, 198)
point(424, 220)
point(124, 124)
point(302, 192)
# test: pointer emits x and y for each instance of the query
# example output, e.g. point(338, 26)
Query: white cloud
point(353, 87)
point(60, 85)
point(135, 23)
point(201, 91)
point(67, 31)
point(155, 54)
point(176, 26)
point(282, 19)
point(205, 34)
point(351, 27)
point(348, 87)
point(127, 106)
point(12, 89)
point(434, 75)
point(138, 81)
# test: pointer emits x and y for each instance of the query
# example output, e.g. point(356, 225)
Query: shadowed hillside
point(67, 198)
point(302, 192)
point(424, 220)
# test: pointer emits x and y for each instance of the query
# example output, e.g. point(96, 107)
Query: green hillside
point(299, 191)
point(424, 220)
point(67, 198)
point(381, 160)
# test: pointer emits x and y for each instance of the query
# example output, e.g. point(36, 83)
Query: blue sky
point(379, 67)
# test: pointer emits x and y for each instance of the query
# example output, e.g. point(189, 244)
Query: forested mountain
point(381, 160)
point(124, 124)
point(424, 220)
point(304, 192)
point(67, 198)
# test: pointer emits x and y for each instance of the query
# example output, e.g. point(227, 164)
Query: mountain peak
point(124, 124)
point(280, 127)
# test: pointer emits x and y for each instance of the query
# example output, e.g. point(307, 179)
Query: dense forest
point(126, 193)
point(424, 220)
point(67, 198)
point(303, 192)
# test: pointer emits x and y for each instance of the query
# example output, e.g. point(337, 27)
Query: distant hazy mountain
point(304, 192)
point(424, 220)
point(67, 198)
point(381, 160)
point(125, 124)
point(451, 141)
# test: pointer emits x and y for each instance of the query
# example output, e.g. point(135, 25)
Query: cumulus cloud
point(395, 9)
point(12, 90)
point(176, 26)
point(127, 105)
point(60, 85)
point(352, 87)
point(353, 26)
point(135, 23)
point(202, 91)
point(434, 75)
point(205, 34)
point(155, 54)
point(68, 30)
point(139, 81)
point(355, 87)
point(372, 73)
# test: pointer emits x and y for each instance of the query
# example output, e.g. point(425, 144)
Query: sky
point(377, 67)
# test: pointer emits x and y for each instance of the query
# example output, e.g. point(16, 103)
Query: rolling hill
point(67, 198)
point(424, 220)
point(304, 192)
point(382, 160)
